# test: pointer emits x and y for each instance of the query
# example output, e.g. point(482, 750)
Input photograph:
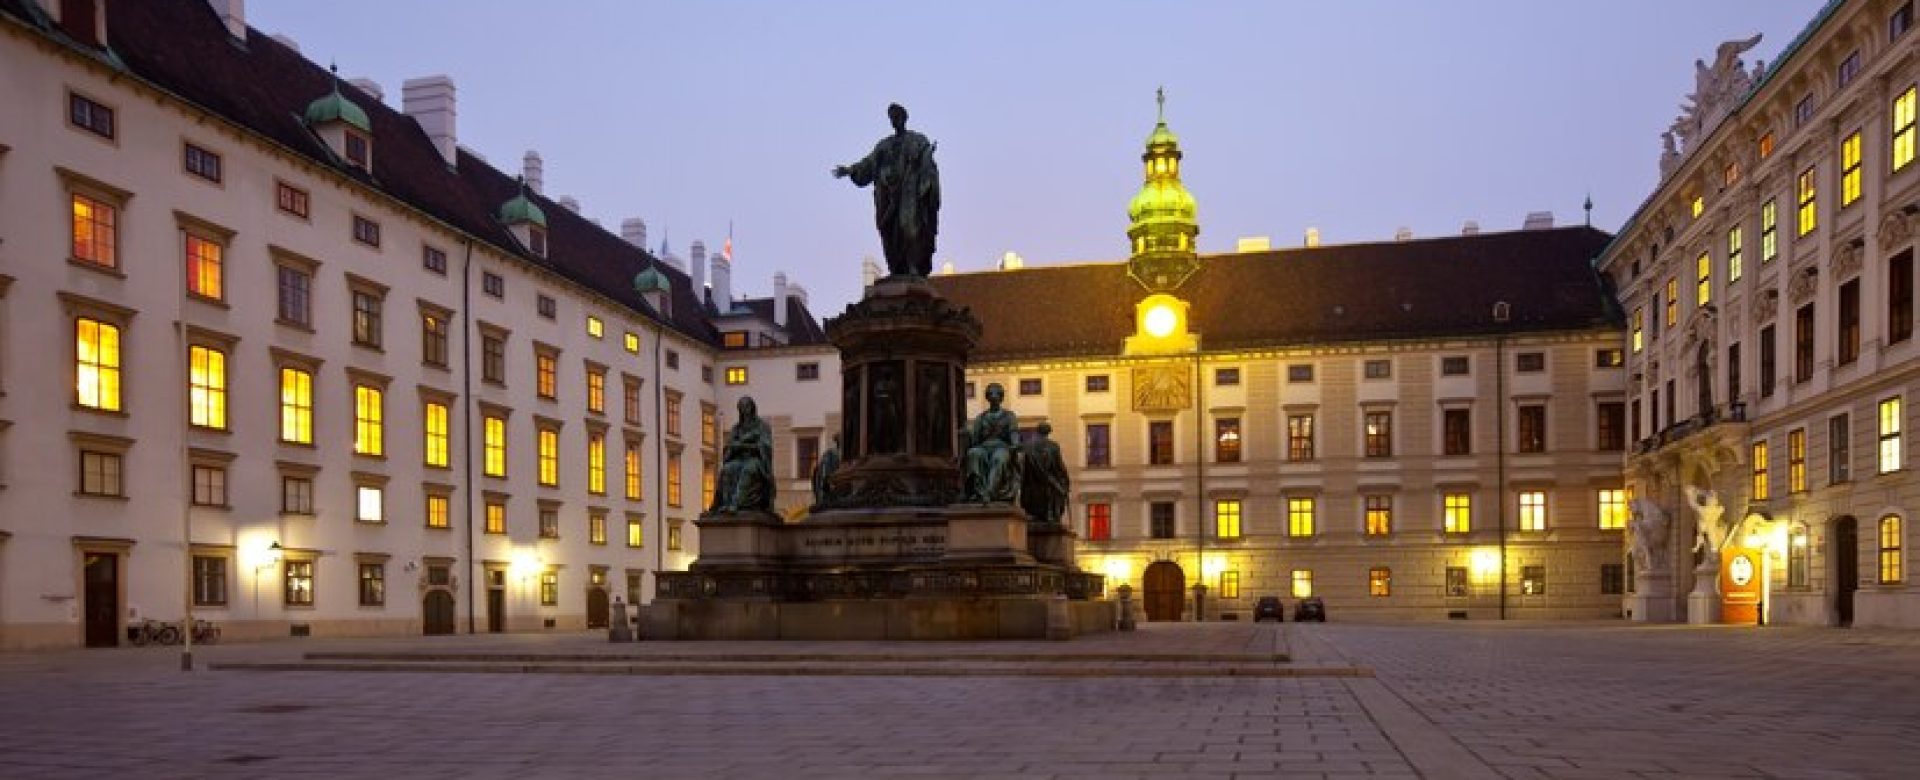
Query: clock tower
point(1164, 222)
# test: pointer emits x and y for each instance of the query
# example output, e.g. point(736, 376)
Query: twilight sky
point(1356, 117)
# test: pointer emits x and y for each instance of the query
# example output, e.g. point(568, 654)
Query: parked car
point(1269, 608)
point(1310, 608)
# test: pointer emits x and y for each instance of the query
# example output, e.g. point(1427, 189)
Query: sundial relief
point(1161, 389)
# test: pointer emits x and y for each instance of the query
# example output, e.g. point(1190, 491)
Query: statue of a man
point(1709, 533)
point(1043, 478)
point(823, 469)
point(1648, 534)
point(991, 470)
point(746, 470)
point(906, 195)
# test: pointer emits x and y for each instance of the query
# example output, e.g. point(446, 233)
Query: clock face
point(1741, 570)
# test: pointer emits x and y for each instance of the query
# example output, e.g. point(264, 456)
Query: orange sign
point(1740, 582)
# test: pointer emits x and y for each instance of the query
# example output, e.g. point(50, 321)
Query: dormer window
point(343, 127)
point(527, 222)
point(537, 240)
point(359, 150)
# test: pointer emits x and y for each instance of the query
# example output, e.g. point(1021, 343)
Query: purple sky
point(1357, 117)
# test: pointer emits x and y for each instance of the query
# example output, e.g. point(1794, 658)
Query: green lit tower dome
point(1164, 218)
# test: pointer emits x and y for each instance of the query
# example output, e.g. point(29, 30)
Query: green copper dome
point(651, 280)
point(335, 107)
point(1162, 136)
point(1163, 215)
point(522, 209)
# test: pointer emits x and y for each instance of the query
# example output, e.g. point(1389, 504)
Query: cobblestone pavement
point(1449, 700)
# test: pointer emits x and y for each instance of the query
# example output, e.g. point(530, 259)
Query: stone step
point(848, 669)
point(617, 656)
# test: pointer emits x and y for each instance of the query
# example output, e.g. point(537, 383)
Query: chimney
point(534, 171)
point(287, 41)
point(869, 271)
point(371, 87)
point(698, 271)
point(780, 300)
point(1538, 220)
point(634, 230)
point(429, 100)
point(1471, 228)
point(1313, 238)
point(722, 284)
point(1012, 261)
point(1253, 244)
point(1403, 234)
point(570, 203)
point(232, 13)
point(797, 293)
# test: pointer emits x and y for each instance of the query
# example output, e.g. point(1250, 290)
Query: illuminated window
point(1226, 440)
point(630, 470)
point(1160, 443)
point(1099, 445)
point(707, 480)
point(673, 537)
point(1099, 522)
point(596, 389)
point(545, 367)
point(549, 447)
point(1302, 583)
point(494, 458)
point(204, 267)
point(1903, 125)
point(596, 527)
point(95, 236)
point(1300, 516)
point(367, 417)
point(1891, 570)
point(1457, 513)
point(597, 463)
point(1226, 518)
point(1380, 582)
point(1807, 213)
point(370, 504)
point(594, 327)
point(1379, 434)
point(550, 588)
point(1766, 146)
point(1533, 510)
point(1697, 206)
point(734, 339)
point(1797, 460)
point(1733, 255)
point(1639, 329)
point(298, 590)
point(636, 532)
point(1703, 289)
point(437, 514)
point(1760, 490)
point(97, 364)
point(1890, 435)
point(436, 434)
point(1457, 583)
point(1299, 437)
point(1533, 580)
point(1379, 515)
point(549, 527)
point(736, 375)
point(1613, 509)
point(1769, 231)
point(1229, 584)
point(709, 426)
point(1673, 301)
point(633, 343)
point(1850, 170)
point(1730, 175)
point(673, 479)
point(496, 513)
point(207, 387)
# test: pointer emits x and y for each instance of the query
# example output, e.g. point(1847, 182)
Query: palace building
point(1421, 428)
point(1769, 288)
point(277, 353)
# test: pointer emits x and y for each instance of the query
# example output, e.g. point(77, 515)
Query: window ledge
point(104, 270)
point(299, 326)
point(296, 515)
point(211, 430)
point(208, 300)
point(78, 494)
point(379, 456)
point(120, 413)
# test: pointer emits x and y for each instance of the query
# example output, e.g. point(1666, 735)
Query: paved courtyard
point(1430, 700)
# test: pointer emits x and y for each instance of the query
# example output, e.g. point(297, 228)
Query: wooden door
point(102, 607)
point(1165, 591)
point(597, 608)
point(1846, 567)
point(436, 612)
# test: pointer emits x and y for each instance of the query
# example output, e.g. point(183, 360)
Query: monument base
point(1703, 604)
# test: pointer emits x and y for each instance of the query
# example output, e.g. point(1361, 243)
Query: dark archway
point(436, 613)
point(1164, 591)
point(1844, 546)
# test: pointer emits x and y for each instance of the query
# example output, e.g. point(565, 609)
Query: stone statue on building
point(1717, 89)
point(746, 468)
point(991, 469)
point(823, 469)
point(906, 195)
point(1710, 533)
point(1043, 478)
point(1647, 533)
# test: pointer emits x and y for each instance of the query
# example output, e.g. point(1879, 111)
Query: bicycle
point(153, 632)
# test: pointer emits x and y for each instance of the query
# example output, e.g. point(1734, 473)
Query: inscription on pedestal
point(879, 542)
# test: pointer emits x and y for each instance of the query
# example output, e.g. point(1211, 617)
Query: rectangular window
point(494, 436)
point(736, 375)
point(496, 517)
point(433, 338)
point(673, 479)
point(636, 532)
point(366, 231)
point(493, 284)
point(1900, 21)
point(1696, 206)
point(1613, 509)
point(630, 471)
point(594, 327)
point(1533, 580)
point(806, 372)
point(1230, 377)
point(1377, 369)
point(1380, 582)
point(597, 463)
point(373, 584)
point(1299, 437)
point(1734, 268)
point(1099, 445)
point(1891, 559)
point(290, 199)
point(1703, 285)
point(673, 414)
point(1903, 125)
point(674, 537)
point(1850, 169)
point(546, 374)
point(1761, 487)
point(1807, 213)
point(204, 267)
point(1379, 514)
point(95, 232)
point(1849, 68)
point(1226, 518)
point(1733, 372)
point(707, 482)
point(1848, 348)
point(1098, 383)
point(1226, 440)
point(1769, 231)
point(806, 455)
point(537, 241)
point(597, 527)
point(1160, 442)
point(1300, 372)
point(1530, 362)
point(550, 588)
point(202, 163)
point(1797, 460)
point(1613, 579)
point(1229, 584)
point(1533, 510)
point(630, 399)
point(296, 495)
point(368, 414)
point(1160, 520)
point(1803, 343)
point(438, 511)
point(1638, 324)
point(596, 389)
point(433, 259)
point(549, 523)
point(1456, 429)
point(1457, 583)
point(366, 319)
point(209, 486)
point(1673, 302)
point(1454, 365)
point(1300, 516)
point(673, 360)
point(1768, 353)
point(207, 387)
point(209, 581)
point(1457, 513)
point(1030, 386)
point(1533, 428)
point(633, 587)
point(298, 590)
point(1610, 423)
point(633, 346)
point(493, 358)
point(1099, 522)
point(100, 474)
point(1379, 434)
point(734, 339)
point(1890, 424)
point(1900, 297)
point(1803, 110)
point(1799, 556)
point(97, 364)
point(90, 115)
point(1839, 449)
point(548, 441)
point(1302, 583)
point(709, 426)
point(357, 149)
point(370, 504)
point(1765, 145)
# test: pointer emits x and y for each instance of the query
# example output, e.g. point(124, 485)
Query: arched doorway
point(1844, 546)
point(436, 612)
point(597, 608)
point(1165, 591)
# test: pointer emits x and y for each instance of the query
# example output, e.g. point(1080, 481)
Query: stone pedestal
point(1051, 544)
point(1652, 600)
point(1703, 604)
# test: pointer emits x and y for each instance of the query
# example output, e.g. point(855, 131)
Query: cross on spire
point(1160, 97)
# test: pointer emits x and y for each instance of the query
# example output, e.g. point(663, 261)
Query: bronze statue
point(906, 195)
point(1043, 473)
point(746, 473)
point(823, 469)
point(992, 469)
